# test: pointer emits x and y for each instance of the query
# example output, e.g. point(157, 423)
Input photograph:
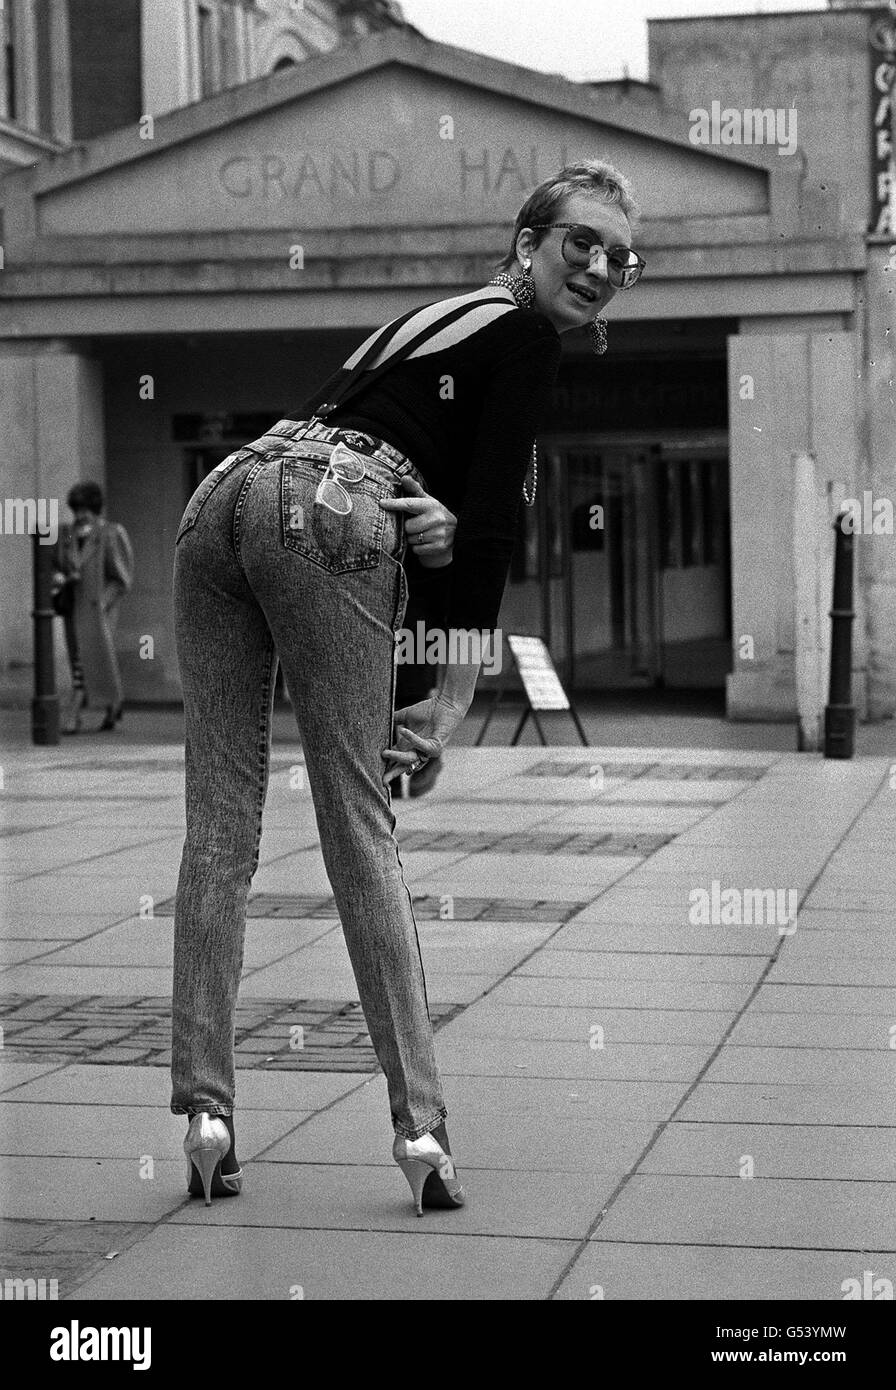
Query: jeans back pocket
point(207, 487)
point(338, 542)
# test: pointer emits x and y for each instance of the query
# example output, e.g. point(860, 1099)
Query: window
point(9, 63)
point(208, 77)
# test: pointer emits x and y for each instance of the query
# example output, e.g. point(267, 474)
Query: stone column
point(51, 435)
point(789, 393)
point(877, 557)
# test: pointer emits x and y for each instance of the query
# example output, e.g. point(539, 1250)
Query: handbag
point(63, 599)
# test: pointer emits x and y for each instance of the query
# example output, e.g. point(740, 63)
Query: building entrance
point(635, 572)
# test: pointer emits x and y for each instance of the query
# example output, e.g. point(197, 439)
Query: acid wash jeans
point(263, 572)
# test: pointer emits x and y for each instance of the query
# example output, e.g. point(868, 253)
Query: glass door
point(635, 572)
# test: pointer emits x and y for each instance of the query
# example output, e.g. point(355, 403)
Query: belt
point(353, 439)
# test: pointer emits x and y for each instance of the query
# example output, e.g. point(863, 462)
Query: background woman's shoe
point(113, 717)
point(212, 1168)
point(72, 719)
point(430, 1171)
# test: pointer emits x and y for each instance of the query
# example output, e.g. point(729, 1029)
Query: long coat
point(106, 566)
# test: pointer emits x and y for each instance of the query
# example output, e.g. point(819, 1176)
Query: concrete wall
point(814, 61)
point(803, 400)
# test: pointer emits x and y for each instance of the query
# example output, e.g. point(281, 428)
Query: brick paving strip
point(51, 1258)
point(271, 1034)
point(666, 772)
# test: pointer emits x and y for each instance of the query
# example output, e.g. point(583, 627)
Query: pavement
point(662, 979)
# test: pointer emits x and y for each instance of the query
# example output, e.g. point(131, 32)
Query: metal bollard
point(840, 712)
point(45, 704)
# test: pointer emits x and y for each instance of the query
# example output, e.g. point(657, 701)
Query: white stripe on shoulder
point(462, 328)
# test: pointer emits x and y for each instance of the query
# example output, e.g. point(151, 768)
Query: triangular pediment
point(392, 131)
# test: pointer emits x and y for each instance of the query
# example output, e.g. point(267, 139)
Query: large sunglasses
point(624, 266)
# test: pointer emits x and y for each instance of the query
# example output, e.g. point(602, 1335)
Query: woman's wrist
point(458, 685)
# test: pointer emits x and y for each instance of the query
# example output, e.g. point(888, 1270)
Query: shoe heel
point(206, 1161)
point(206, 1145)
point(416, 1172)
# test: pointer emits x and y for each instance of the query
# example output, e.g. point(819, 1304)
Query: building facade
point(174, 285)
point(73, 69)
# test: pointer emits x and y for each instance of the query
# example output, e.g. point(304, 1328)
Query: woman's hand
point(429, 526)
point(421, 730)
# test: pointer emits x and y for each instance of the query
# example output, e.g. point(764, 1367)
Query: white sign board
point(540, 680)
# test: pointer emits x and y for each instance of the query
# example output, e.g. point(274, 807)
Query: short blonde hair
point(588, 176)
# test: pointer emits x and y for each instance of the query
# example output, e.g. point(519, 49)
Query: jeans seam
point(398, 615)
point(238, 509)
point(263, 747)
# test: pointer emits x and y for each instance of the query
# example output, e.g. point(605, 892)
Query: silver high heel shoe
point(206, 1144)
point(430, 1172)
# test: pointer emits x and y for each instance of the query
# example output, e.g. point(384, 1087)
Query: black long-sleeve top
point(466, 416)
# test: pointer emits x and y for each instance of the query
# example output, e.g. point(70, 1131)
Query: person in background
point(94, 559)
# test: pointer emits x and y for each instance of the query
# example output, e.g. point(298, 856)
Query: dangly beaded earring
point(598, 330)
point(522, 287)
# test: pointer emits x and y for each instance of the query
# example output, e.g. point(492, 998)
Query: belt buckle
point(355, 439)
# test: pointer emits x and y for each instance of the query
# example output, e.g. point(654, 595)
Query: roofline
point(105, 152)
point(760, 14)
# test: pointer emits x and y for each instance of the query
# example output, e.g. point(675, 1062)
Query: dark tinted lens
point(577, 245)
point(623, 269)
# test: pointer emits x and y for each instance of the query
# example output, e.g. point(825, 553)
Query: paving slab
point(553, 961)
point(611, 1060)
point(39, 977)
point(823, 1066)
point(848, 1152)
point(681, 940)
point(332, 1196)
point(795, 966)
point(558, 1023)
point(576, 1141)
point(15, 1074)
point(99, 896)
point(798, 1213)
point(14, 952)
point(774, 1102)
point(107, 1189)
point(124, 1085)
point(632, 1100)
point(834, 1000)
point(186, 1261)
point(149, 942)
point(80, 1131)
point(786, 1030)
point(646, 1271)
point(644, 994)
